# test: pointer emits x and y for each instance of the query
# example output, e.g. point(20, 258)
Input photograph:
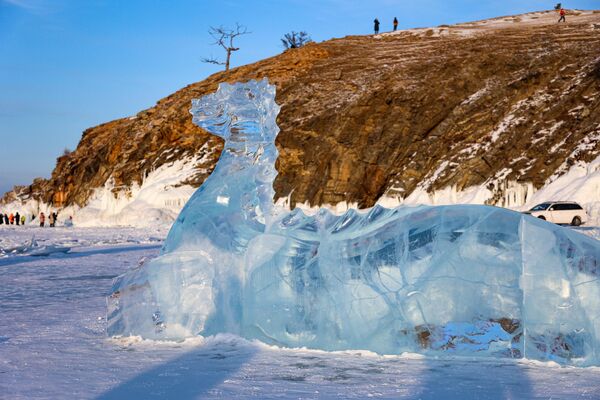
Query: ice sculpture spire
point(237, 198)
point(470, 280)
point(195, 285)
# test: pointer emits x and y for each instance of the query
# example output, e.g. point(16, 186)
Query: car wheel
point(576, 221)
point(542, 217)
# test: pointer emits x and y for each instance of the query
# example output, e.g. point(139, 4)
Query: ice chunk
point(467, 280)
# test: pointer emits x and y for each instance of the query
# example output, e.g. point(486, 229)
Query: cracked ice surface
point(461, 280)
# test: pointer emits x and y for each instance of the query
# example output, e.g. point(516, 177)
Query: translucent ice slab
point(465, 280)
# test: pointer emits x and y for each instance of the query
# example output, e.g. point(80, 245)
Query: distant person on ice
point(395, 24)
point(52, 219)
point(23, 219)
point(42, 219)
point(562, 16)
point(18, 218)
point(376, 26)
point(11, 218)
point(5, 219)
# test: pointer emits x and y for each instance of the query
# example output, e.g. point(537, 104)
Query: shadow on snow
point(189, 376)
point(24, 259)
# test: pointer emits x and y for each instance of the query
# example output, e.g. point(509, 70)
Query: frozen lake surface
point(53, 343)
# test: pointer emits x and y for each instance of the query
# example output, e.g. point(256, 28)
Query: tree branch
point(212, 61)
point(222, 35)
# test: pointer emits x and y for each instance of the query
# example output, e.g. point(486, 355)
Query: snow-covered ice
point(53, 344)
point(461, 280)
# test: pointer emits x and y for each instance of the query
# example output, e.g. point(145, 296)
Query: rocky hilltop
point(494, 103)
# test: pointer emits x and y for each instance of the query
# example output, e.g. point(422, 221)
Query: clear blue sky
point(66, 65)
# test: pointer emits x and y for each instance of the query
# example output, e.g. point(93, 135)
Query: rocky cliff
point(512, 99)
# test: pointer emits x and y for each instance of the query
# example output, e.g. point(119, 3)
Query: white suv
point(560, 212)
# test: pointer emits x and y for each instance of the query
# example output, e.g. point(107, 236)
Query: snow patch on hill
point(470, 29)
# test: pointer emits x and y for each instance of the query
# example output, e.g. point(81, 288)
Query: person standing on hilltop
point(395, 24)
point(562, 16)
point(376, 25)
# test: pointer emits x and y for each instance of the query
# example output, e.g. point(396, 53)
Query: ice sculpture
point(465, 280)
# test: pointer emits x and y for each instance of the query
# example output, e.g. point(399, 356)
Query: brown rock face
point(514, 98)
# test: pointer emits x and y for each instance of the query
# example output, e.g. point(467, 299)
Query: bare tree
point(293, 40)
point(224, 37)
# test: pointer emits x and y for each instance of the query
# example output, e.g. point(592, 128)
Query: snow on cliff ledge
point(157, 201)
point(581, 183)
point(161, 196)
